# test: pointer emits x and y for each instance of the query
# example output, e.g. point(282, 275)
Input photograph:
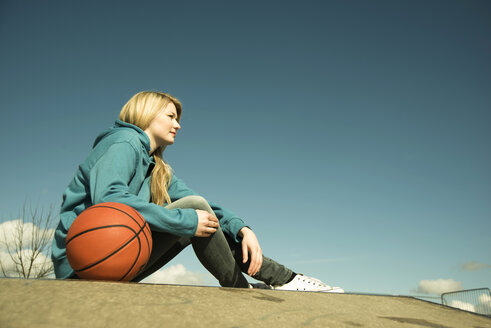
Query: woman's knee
point(196, 202)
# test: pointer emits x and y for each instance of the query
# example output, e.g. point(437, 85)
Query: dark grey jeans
point(219, 253)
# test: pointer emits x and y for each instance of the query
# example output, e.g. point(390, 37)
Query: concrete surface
point(78, 303)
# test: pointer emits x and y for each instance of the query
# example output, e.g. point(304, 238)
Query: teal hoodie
point(118, 170)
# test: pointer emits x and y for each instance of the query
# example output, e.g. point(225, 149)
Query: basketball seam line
point(145, 224)
point(136, 234)
point(114, 252)
point(97, 228)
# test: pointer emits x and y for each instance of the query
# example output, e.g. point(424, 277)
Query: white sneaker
point(308, 284)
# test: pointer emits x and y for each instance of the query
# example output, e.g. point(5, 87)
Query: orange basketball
point(108, 241)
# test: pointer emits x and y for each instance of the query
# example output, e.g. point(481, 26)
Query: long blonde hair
point(140, 110)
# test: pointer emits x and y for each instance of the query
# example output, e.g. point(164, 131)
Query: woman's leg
point(271, 272)
point(165, 247)
point(213, 251)
point(217, 252)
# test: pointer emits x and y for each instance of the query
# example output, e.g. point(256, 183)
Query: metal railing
point(473, 300)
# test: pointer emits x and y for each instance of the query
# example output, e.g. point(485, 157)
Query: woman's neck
point(153, 144)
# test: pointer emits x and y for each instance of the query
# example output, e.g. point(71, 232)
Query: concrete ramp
point(78, 303)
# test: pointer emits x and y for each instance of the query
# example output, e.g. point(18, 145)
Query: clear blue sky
point(353, 136)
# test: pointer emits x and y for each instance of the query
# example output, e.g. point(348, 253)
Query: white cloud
point(475, 266)
point(40, 263)
point(484, 305)
point(463, 306)
point(7, 264)
point(438, 286)
point(9, 233)
point(484, 299)
point(16, 239)
point(176, 274)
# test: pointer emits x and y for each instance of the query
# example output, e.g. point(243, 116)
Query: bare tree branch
point(28, 246)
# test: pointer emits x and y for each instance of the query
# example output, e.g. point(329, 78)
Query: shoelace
point(319, 282)
point(313, 281)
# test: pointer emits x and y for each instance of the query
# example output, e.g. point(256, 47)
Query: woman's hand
point(207, 224)
point(250, 245)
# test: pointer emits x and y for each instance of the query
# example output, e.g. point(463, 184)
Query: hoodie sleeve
point(109, 179)
point(229, 221)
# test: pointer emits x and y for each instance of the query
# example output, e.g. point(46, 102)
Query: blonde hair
point(140, 110)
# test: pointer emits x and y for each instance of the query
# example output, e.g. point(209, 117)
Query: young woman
point(126, 166)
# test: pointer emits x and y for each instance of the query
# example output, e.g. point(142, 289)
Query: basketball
point(108, 241)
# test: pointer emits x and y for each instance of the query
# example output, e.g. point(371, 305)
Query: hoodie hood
point(120, 126)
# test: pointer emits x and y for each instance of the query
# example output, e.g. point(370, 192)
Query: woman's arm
point(109, 180)
point(250, 245)
point(230, 222)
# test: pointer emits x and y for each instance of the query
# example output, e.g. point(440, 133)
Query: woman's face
point(163, 128)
